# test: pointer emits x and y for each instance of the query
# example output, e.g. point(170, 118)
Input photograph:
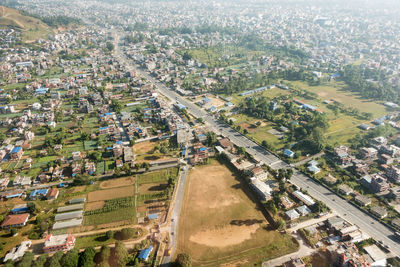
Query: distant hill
point(32, 28)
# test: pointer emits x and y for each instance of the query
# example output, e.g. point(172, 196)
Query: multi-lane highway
point(372, 227)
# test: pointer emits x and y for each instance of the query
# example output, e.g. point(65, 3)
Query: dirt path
point(93, 232)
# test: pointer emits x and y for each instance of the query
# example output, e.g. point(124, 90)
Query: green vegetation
point(157, 176)
point(112, 205)
point(112, 216)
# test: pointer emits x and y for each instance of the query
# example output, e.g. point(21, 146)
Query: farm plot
point(109, 211)
point(108, 194)
point(221, 222)
point(120, 182)
point(157, 176)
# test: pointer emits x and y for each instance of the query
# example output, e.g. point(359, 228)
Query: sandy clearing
point(225, 236)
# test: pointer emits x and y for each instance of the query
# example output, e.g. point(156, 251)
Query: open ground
point(120, 182)
point(220, 222)
point(108, 194)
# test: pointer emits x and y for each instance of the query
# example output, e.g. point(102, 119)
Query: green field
point(342, 127)
point(157, 176)
point(113, 216)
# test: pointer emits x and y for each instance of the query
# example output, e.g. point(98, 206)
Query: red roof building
point(15, 220)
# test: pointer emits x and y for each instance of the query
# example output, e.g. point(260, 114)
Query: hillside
point(31, 28)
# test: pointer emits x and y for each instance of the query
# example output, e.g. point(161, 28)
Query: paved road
point(176, 211)
point(372, 227)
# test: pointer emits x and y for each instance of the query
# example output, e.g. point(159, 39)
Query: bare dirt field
point(79, 189)
point(221, 223)
point(126, 181)
point(144, 147)
point(249, 127)
point(108, 194)
point(95, 205)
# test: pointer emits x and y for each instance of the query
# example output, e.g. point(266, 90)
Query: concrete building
point(58, 242)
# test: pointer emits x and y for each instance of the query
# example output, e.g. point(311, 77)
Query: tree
point(184, 260)
point(120, 254)
point(280, 224)
point(110, 46)
point(103, 256)
point(85, 136)
point(109, 234)
point(125, 233)
point(32, 207)
point(116, 105)
point(96, 156)
point(26, 260)
point(70, 259)
point(40, 261)
point(241, 150)
point(86, 258)
point(55, 260)
point(211, 138)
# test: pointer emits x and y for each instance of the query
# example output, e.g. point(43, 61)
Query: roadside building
point(379, 212)
point(345, 189)
point(362, 200)
point(304, 198)
point(54, 243)
point(292, 214)
point(52, 193)
point(15, 220)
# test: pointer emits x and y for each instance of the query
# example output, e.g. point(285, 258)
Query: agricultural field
point(157, 176)
point(107, 194)
point(221, 222)
point(120, 182)
point(114, 204)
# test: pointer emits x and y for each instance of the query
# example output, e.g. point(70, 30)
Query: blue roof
point(108, 114)
point(103, 128)
point(144, 254)
point(16, 149)
point(153, 216)
point(203, 149)
point(119, 142)
point(288, 153)
point(14, 195)
point(17, 210)
point(206, 99)
point(37, 192)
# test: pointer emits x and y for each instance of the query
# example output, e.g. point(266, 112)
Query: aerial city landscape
point(199, 133)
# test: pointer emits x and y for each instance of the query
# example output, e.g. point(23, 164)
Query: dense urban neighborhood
point(199, 133)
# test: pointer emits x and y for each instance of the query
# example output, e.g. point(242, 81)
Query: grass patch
point(157, 176)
